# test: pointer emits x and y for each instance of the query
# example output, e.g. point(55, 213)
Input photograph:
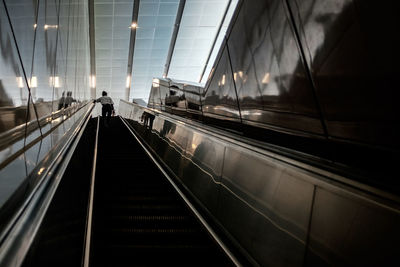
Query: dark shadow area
point(60, 238)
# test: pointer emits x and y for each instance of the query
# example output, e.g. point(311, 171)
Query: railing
point(23, 211)
point(10, 137)
point(89, 216)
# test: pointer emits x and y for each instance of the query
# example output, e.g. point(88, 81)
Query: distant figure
point(108, 106)
point(68, 100)
point(61, 102)
point(147, 119)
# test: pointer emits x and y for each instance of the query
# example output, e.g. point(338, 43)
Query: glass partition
point(44, 67)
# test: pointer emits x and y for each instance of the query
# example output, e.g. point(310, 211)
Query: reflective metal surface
point(309, 76)
point(44, 88)
point(270, 79)
point(44, 70)
point(15, 170)
point(220, 98)
point(24, 213)
point(176, 97)
point(353, 62)
point(13, 91)
point(282, 212)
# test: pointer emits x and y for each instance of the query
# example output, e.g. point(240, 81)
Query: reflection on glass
point(54, 81)
point(213, 54)
point(20, 82)
point(33, 82)
point(93, 81)
point(50, 26)
point(156, 83)
point(54, 52)
point(265, 79)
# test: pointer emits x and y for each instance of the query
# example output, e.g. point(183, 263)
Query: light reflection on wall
point(47, 58)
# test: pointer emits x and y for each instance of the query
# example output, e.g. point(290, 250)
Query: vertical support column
point(92, 50)
point(135, 15)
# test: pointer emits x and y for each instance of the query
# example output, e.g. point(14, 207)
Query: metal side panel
point(281, 211)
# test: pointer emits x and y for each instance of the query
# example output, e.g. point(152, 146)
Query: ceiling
point(202, 28)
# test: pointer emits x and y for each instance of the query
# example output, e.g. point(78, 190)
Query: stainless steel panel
point(271, 80)
point(175, 101)
point(277, 199)
point(220, 97)
point(202, 170)
point(164, 92)
point(176, 97)
point(176, 137)
point(266, 201)
point(350, 230)
point(154, 98)
point(193, 98)
point(353, 61)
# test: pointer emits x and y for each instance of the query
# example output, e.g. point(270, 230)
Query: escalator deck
point(139, 219)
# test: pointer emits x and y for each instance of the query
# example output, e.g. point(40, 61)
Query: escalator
point(138, 217)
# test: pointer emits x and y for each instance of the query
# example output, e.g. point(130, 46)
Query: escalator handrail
point(11, 136)
point(89, 216)
point(18, 235)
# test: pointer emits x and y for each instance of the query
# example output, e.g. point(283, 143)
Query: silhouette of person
point(147, 119)
point(61, 102)
point(68, 100)
point(108, 107)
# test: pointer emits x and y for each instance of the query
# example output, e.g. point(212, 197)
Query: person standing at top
point(108, 106)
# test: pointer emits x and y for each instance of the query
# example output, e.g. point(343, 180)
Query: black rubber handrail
point(89, 216)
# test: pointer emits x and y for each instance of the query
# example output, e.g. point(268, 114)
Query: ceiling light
point(33, 82)
point(133, 25)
